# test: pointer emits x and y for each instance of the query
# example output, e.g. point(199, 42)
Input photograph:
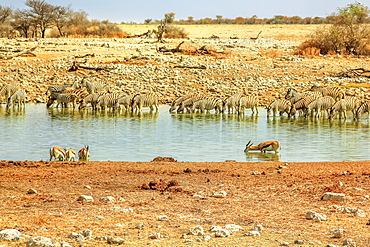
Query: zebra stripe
point(94, 87)
point(207, 105)
point(9, 89)
point(176, 103)
point(80, 92)
point(18, 97)
point(186, 104)
point(62, 99)
point(91, 99)
point(231, 104)
point(144, 100)
point(280, 106)
point(246, 102)
point(125, 101)
point(60, 88)
point(302, 104)
point(319, 105)
point(294, 96)
point(344, 105)
point(363, 108)
point(336, 92)
point(109, 101)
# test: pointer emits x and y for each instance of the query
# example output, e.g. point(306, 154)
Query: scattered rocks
point(40, 242)
point(107, 199)
point(222, 233)
point(115, 240)
point(10, 234)
point(219, 194)
point(338, 233)
point(197, 231)
point(311, 215)
point(160, 185)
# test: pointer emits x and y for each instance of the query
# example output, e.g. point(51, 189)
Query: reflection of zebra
point(364, 107)
point(176, 103)
point(280, 106)
point(344, 105)
point(144, 100)
point(319, 105)
point(62, 99)
point(207, 105)
point(186, 104)
point(18, 97)
point(251, 102)
point(335, 92)
point(231, 104)
point(90, 99)
point(9, 89)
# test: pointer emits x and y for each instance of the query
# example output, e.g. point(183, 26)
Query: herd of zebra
point(314, 102)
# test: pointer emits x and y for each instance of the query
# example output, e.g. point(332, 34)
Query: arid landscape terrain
point(157, 203)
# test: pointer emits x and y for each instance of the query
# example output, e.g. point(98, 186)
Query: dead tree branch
point(351, 73)
point(20, 53)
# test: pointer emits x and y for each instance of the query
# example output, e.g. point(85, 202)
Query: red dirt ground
point(278, 199)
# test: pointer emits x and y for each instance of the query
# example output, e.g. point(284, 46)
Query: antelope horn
point(249, 143)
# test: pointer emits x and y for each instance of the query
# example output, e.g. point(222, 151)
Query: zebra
point(62, 99)
point(336, 92)
point(176, 103)
point(231, 104)
point(9, 89)
point(144, 100)
point(109, 101)
point(186, 104)
point(294, 96)
point(207, 105)
point(94, 87)
point(18, 97)
point(302, 104)
point(125, 101)
point(248, 102)
point(344, 105)
point(318, 105)
point(364, 107)
point(92, 99)
point(280, 106)
point(60, 88)
point(80, 92)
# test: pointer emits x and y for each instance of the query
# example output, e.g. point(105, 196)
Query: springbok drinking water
point(263, 146)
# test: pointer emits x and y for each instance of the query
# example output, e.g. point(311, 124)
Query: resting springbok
point(70, 155)
point(263, 146)
point(84, 153)
point(58, 153)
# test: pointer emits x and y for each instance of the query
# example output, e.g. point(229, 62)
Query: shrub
point(173, 32)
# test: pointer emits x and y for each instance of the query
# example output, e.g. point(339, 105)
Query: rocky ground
point(265, 67)
point(164, 202)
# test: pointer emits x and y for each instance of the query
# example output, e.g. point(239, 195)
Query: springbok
point(84, 153)
point(263, 146)
point(58, 153)
point(70, 154)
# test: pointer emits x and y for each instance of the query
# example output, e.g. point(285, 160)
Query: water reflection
point(130, 136)
point(259, 156)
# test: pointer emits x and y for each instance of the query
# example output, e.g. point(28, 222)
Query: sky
point(139, 10)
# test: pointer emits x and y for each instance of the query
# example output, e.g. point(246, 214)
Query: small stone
point(31, 191)
point(284, 243)
point(349, 242)
point(258, 228)
point(107, 199)
point(338, 233)
point(115, 240)
point(9, 234)
point(220, 194)
point(162, 218)
point(84, 198)
point(333, 196)
point(223, 233)
point(254, 233)
point(197, 230)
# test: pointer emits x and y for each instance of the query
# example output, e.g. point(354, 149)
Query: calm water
point(29, 134)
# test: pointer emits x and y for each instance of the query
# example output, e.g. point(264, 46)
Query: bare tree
point(42, 13)
point(61, 17)
point(5, 13)
point(22, 22)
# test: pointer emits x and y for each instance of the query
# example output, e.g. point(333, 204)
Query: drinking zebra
point(280, 106)
point(186, 104)
point(62, 99)
point(109, 101)
point(60, 88)
point(18, 97)
point(319, 105)
point(336, 92)
point(344, 105)
point(91, 99)
point(9, 89)
point(247, 102)
point(363, 108)
point(176, 103)
point(294, 96)
point(302, 104)
point(231, 104)
point(125, 102)
point(207, 105)
point(144, 100)
point(94, 87)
